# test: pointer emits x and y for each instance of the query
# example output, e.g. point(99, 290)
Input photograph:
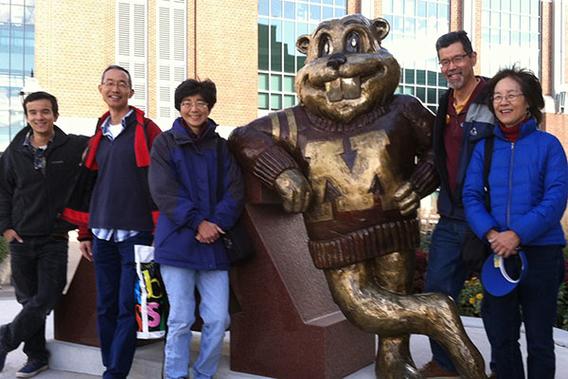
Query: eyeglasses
point(458, 59)
point(511, 98)
point(121, 84)
point(198, 104)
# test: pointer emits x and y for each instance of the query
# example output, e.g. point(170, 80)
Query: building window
point(171, 42)
point(280, 23)
point(510, 34)
point(132, 46)
point(17, 36)
point(415, 27)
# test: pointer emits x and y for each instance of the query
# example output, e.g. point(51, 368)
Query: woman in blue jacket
point(198, 188)
point(528, 190)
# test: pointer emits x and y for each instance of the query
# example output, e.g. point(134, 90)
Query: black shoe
point(32, 368)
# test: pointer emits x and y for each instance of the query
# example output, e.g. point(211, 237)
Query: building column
point(456, 15)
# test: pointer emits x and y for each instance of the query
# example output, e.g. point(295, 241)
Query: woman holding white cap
point(528, 184)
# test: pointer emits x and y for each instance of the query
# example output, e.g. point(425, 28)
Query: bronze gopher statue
point(356, 159)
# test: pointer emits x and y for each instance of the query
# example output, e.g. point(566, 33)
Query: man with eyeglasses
point(463, 118)
point(37, 173)
point(120, 214)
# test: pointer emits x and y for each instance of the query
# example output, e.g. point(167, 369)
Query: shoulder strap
point(489, 141)
point(218, 143)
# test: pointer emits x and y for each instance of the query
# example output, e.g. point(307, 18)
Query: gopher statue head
point(347, 72)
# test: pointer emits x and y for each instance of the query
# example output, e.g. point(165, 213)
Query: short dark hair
point(117, 67)
point(41, 95)
point(192, 87)
point(453, 37)
point(530, 86)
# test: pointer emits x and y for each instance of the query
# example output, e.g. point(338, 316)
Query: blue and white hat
point(501, 275)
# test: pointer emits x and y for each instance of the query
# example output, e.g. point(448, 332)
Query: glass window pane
point(276, 46)
point(432, 79)
point(408, 90)
point(275, 83)
point(431, 98)
point(421, 93)
point(263, 8)
point(289, 10)
point(420, 76)
point(276, 8)
point(275, 102)
point(327, 13)
point(340, 12)
point(263, 100)
point(409, 76)
point(263, 44)
point(315, 13)
point(301, 12)
point(263, 82)
point(421, 10)
point(289, 84)
point(289, 46)
point(300, 60)
point(341, 3)
point(289, 101)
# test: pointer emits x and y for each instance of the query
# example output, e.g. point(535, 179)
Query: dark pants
point(534, 303)
point(39, 273)
point(115, 276)
point(445, 272)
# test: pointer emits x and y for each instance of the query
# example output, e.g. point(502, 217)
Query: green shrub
point(3, 249)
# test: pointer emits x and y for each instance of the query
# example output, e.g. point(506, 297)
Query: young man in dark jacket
point(463, 119)
point(37, 173)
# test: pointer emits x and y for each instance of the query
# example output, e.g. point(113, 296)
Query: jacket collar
point(527, 128)
point(59, 137)
point(183, 135)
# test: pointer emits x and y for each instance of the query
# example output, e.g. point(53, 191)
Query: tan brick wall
point(547, 47)
point(456, 15)
point(557, 124)
point(354, 6)
point(225, 45)
point(73, 44)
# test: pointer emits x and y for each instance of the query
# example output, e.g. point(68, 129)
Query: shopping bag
point(150, 294)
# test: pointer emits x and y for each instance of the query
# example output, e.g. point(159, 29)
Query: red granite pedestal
point(289, 326)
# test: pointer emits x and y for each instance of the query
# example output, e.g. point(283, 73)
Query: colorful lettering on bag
point(153, 286)
point(154, 318)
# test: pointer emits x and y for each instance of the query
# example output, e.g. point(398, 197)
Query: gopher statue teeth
point(356, 159)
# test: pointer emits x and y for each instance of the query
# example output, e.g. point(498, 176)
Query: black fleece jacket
point(31, 201)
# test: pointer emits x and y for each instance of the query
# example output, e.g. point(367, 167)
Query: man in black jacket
point(463, 119)
point(37, 172)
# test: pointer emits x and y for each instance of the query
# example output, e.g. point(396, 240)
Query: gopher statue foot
point(394, 360)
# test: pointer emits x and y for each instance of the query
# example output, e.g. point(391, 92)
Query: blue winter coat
point(184, 177)
point(528, 187)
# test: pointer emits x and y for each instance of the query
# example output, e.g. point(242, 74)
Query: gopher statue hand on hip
point(356, 159)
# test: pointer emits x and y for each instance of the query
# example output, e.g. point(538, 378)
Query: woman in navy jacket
point(197, 186)
point(528, 191)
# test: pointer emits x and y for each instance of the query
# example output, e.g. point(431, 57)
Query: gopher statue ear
point(303, 43)
point(382, 28)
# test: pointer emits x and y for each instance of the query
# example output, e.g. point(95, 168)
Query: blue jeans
point(39, 273)
point(115, 274)
point(534, 303)
point(213, 287)
point(446, 273)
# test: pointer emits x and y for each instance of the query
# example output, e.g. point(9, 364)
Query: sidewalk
point(152, 355)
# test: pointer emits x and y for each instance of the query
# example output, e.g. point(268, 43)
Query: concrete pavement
point(71, 361)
